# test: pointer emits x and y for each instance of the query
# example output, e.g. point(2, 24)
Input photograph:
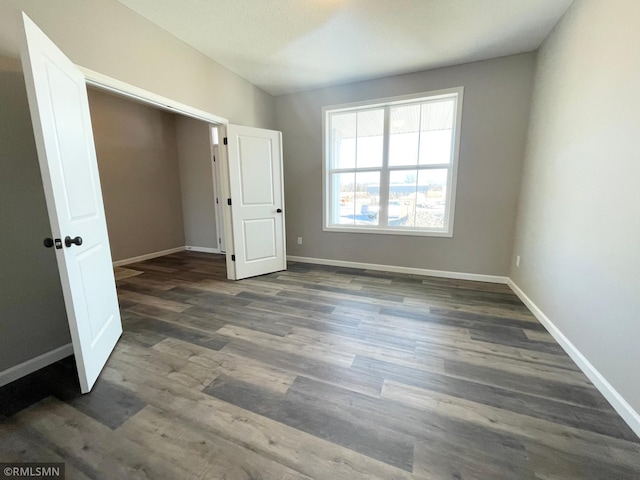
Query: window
point(390, 165)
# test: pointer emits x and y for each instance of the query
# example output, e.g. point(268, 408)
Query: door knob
point(48, 242)
point(279, 210)
point(68, 241)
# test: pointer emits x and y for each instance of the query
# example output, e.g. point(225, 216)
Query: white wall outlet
point(517, 260)
point(299, 240)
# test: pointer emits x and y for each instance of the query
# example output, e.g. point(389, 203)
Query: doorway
point(250, 168)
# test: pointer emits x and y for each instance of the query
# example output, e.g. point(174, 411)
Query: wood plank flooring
point(319, 373)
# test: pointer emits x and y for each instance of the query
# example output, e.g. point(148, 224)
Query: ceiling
point(286, 46)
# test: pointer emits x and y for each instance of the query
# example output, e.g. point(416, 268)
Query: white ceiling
point(285, 46)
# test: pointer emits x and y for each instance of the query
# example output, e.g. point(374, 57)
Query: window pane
point(404, 131)
point(431, 198)
point(343, 140)
point(355, 198)
point(402, 197)
point(342, 202)
point(367, 198)
point(417, 198)
point(370, 132)
point(436, 131)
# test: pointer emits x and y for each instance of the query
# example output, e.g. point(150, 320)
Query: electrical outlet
point(517, 260)
point(299, 240)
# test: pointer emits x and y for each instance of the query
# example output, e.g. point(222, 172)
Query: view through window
point(390, 166)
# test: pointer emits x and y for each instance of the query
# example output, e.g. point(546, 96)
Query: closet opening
point(160, 180)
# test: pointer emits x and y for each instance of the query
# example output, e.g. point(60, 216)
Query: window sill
point(389, 231)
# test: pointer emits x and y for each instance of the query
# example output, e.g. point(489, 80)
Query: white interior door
point(257, 201)
point(64, 138)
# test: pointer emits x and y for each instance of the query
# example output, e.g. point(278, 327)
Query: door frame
point(104, 82)
point(217, 192)
point(140, 95)
point(226, 194)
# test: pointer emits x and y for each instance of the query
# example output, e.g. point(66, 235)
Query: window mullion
point(383, 212)
point(358, 170)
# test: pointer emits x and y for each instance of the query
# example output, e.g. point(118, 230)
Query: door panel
point(69, 124)
point(264, 229)
point(66, 152)
point(257, 210)
point(256, 165)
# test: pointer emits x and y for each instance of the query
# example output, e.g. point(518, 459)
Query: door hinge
point(219, 241)
point(217, 201)
point(229, 201)
point(214, 158)
point(233, 258)
point(225, 140)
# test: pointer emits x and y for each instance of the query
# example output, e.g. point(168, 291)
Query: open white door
point(64, 138)
point(254, 162)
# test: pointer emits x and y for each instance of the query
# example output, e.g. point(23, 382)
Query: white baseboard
point(392, 268)
point(202, 249)
point(147, 256)
point(30, 366)
point(626, 411)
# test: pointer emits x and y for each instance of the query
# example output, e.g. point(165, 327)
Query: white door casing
point(217, 191)
point(66, 152)
point(254, 163)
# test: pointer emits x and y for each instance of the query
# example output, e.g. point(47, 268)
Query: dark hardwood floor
point(319, 373)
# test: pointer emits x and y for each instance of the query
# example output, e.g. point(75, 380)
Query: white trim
point(388, 231)
point(478, 277)
point(147, 256)
point(409, 98)
point(626, 411)
point(138, 94)
point(223, 155)
point(217, 192)
point(202, 249)
point(25, 368)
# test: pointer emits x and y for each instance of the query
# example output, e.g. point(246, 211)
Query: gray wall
point(196, 180)
point(107, 37)
point(138, 162)
point(579, 220)
point(494, 123)
point(33, 319)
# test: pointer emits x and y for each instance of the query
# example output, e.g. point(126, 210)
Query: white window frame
point(386, 103)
